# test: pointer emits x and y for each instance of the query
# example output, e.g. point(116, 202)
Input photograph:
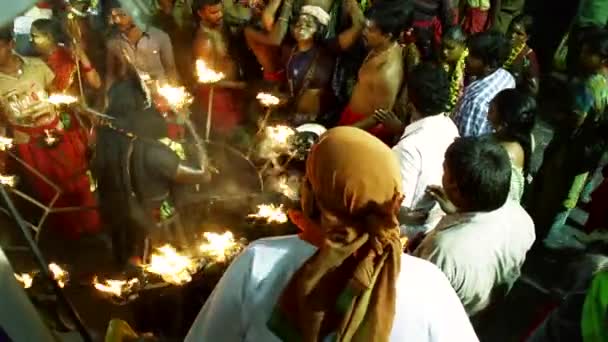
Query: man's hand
point(439, 195)
point(390, 121)
point(412, 217)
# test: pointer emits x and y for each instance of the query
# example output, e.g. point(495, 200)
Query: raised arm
point(349, 37)
point(275, 36)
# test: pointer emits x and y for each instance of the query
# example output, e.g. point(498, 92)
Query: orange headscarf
point(348, 285)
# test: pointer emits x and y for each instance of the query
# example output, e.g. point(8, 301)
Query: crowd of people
point(430, 108)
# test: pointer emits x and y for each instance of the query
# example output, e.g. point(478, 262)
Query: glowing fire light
point(177, 97)
point(206, 74)
point(271, 213)
point(49, 138)
point(219, 246)
point(288, 187)
point(115, 287)
point(276, 141)
point(279, 135)
point(26, 279)
point(59, 274)
point(58, 99)
point(267, 100)
point(8, 180)
point(171, 266)
point(5, 143)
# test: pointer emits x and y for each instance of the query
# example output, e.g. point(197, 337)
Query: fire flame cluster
point(58, 99)
point(117, 288)
point(171, 266)
point(177, 97)
point(219, 246)
point(60, 275)
point(206, 74)
point(271, 213)
point(276, 141)
point(267, 100)
point(26, 279)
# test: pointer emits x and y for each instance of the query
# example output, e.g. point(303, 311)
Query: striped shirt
point(472, 111)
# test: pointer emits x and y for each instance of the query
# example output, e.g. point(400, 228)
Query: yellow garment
point(348, 286)
point(119, 331)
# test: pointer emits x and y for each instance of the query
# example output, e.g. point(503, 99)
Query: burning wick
point(219, 246)
point(49, 139)
point(171, 266)
point(59, 274)
point(5, 143)
point(8, 180)
point(58, 99)
point(177, 97)
point(271, 213)
point(288, 190)
point(26, 279)
point(206, 74)
point(279, 135)
point(115, 287)
point(267, 100)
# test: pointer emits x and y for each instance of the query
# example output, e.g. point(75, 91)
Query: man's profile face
point(121, 19)
point(212, 14)
point(372, 35)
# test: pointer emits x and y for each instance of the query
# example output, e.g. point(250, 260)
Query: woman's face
point(42, 41)
point(305, 28)
point(518, 34)
point(451, 50)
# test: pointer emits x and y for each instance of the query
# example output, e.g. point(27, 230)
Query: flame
point(177, 97)
point(271, 213)
point(173, 267)
point(58, 99)
point(206, 74)
point(8, 180)
point(26, 279)
point(5, 143)
point(267, 100)
point(276, 141)
point(288, 187)
point(115, 287)
point(60, 275)
point(49, 139)
point(279, 135)
point(219, 246)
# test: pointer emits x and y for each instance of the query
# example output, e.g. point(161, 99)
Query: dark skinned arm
point(189, 175)
point(278, 31)
point(350, 36)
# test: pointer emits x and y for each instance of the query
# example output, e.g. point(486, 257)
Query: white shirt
point(481, 251)
point(241, 304)
point(420, 153)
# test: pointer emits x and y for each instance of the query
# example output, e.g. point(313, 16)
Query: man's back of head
point(428, 89)
point(477, 174)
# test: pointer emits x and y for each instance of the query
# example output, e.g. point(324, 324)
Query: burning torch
point(208, 76)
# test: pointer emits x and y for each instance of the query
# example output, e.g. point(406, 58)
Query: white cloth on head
point(480, 252)
point(239, 308)
point(420, 153)
point(320, 14)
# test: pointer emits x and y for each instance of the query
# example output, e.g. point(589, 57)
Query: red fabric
point(349, 118)
point(227, 113)
point(310, 232)
point(476, 21)
point(598, 208)
point(65, 165)
point(435, 25)
point(63, 66)
point(277, 76)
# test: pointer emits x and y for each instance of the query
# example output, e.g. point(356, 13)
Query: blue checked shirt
point(472, 112)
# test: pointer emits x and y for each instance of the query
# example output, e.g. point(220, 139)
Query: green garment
point(594, 323)
point(592, 13)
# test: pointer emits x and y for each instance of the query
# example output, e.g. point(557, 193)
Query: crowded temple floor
point(287, 170)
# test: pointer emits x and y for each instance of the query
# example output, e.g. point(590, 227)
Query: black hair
point(391, 16)
point(526, 22)
point(597, 42)
point(198, 4)
point(481, 169)
point(455, 33)
point(429, 89)
point(52, 27)
point(491, 47)
point(517, 112)
point(6, 33)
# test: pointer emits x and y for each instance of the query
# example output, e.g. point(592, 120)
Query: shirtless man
point(381, 74)
point(211, 45)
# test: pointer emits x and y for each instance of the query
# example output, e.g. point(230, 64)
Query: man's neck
point(134, 34)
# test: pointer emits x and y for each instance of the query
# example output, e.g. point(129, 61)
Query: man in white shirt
point(313, 287)
point(481, 245)
point(422, 146)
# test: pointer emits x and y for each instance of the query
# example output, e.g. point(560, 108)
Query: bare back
point(378, 82)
